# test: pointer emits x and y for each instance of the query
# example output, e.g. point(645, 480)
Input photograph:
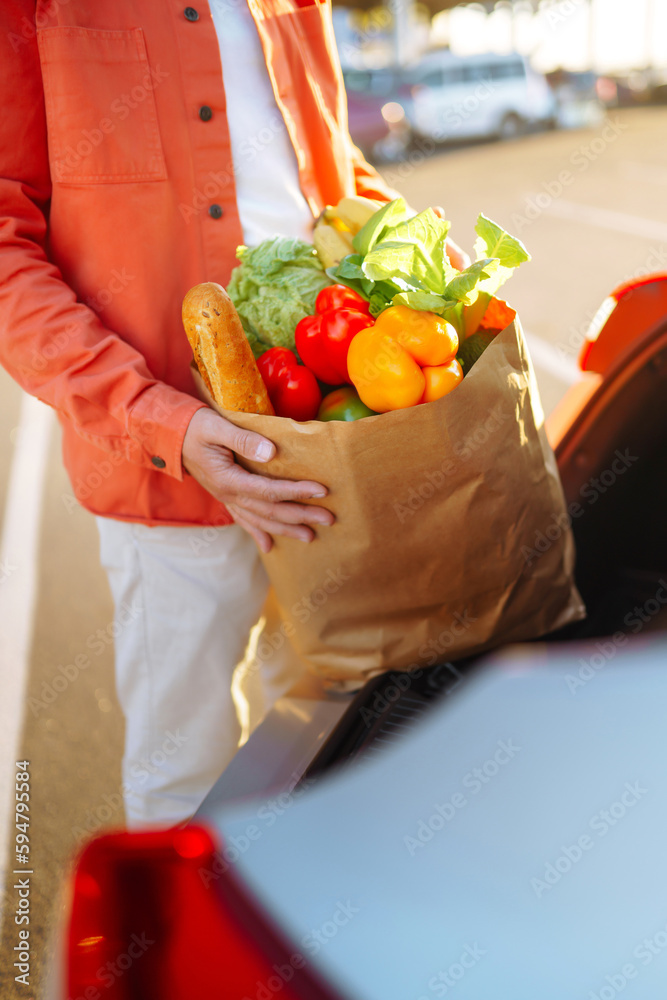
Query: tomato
point(343, 404)
point(340, 297)
point(298, 396)
point(292, 388)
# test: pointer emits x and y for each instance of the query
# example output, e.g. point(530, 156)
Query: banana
point(338, 224)
point(331, 244)
point(355, 211)
point(329, 215)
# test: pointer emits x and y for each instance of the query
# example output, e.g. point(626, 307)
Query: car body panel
point(279, 751)
point(625, 370)
point(623, 321)
point(468, 837)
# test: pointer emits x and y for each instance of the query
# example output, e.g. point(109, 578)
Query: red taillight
point(161, 916)
point(606, 90)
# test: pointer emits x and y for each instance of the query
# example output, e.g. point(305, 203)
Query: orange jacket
point(116, 197)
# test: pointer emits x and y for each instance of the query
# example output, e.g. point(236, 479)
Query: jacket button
point(205, 113)
point(158, 462)
point(191, 14)
point(215, 211)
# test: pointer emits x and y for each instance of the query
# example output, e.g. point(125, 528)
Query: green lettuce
point(273, 288)
point(401, 260)
point(373, 232)
point(509, 253)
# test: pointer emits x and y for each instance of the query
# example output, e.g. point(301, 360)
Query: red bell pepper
point(292, 388)
point(323, 341)
point(340, 297)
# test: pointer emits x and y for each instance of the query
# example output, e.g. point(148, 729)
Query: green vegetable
point(414, 251)
point(386, 217)
point(403, 261)
point(492, 241)
point(343, 404)
point(273, 288)
point(473, 348)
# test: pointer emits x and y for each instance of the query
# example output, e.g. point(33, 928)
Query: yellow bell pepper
point(427, 337)
point(406, 358)
point(440, 380)
point(382, 372)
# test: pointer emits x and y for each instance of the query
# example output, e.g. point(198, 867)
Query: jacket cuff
point(157, 424)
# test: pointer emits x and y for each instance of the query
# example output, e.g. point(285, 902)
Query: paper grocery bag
point(451, 533)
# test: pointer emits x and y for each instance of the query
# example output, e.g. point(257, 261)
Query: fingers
point(262, 538)
point(248, 444)
point(249, 484)
point(288, 513)
point(249, 518)
point(262, 506)
point(458, 257)
point(215, 429)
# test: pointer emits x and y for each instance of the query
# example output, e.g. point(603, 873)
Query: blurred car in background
point(659, 85)
point(376, 103)
point(577, 95)
point(446, 98)
point(632, 89)
point(477, 97)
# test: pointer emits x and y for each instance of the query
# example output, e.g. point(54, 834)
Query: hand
point(263, 506)
point(458, 258)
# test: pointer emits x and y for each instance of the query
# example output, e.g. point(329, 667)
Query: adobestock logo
point(446, 979)
point(474, 782)
point(590, 492)
point(602, 823)
point(606, 649)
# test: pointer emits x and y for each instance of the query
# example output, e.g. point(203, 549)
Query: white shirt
point(269, 198)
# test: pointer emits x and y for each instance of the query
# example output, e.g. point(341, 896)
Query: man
point(142, 142)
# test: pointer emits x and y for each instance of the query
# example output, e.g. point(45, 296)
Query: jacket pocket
point(100, 109)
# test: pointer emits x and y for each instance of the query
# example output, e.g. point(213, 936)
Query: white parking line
point(19, 550)
point(645, 173)
point(546, 357)
point(604, 218)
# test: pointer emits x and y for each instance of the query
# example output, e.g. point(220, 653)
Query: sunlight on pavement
point(18, 564)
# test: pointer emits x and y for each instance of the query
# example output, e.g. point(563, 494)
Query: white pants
point(192, 674)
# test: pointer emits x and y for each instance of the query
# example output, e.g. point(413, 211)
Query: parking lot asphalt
point(590, 206)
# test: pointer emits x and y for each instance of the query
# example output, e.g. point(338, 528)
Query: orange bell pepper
point(427, 337)
point(406, 358)
point(440, 380)
point(383, 373)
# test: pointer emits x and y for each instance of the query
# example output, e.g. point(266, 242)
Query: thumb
point(248, 444)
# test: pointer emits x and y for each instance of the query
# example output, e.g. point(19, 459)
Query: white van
point(469, 97)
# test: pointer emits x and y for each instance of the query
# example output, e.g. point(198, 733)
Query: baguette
point(222, 352)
